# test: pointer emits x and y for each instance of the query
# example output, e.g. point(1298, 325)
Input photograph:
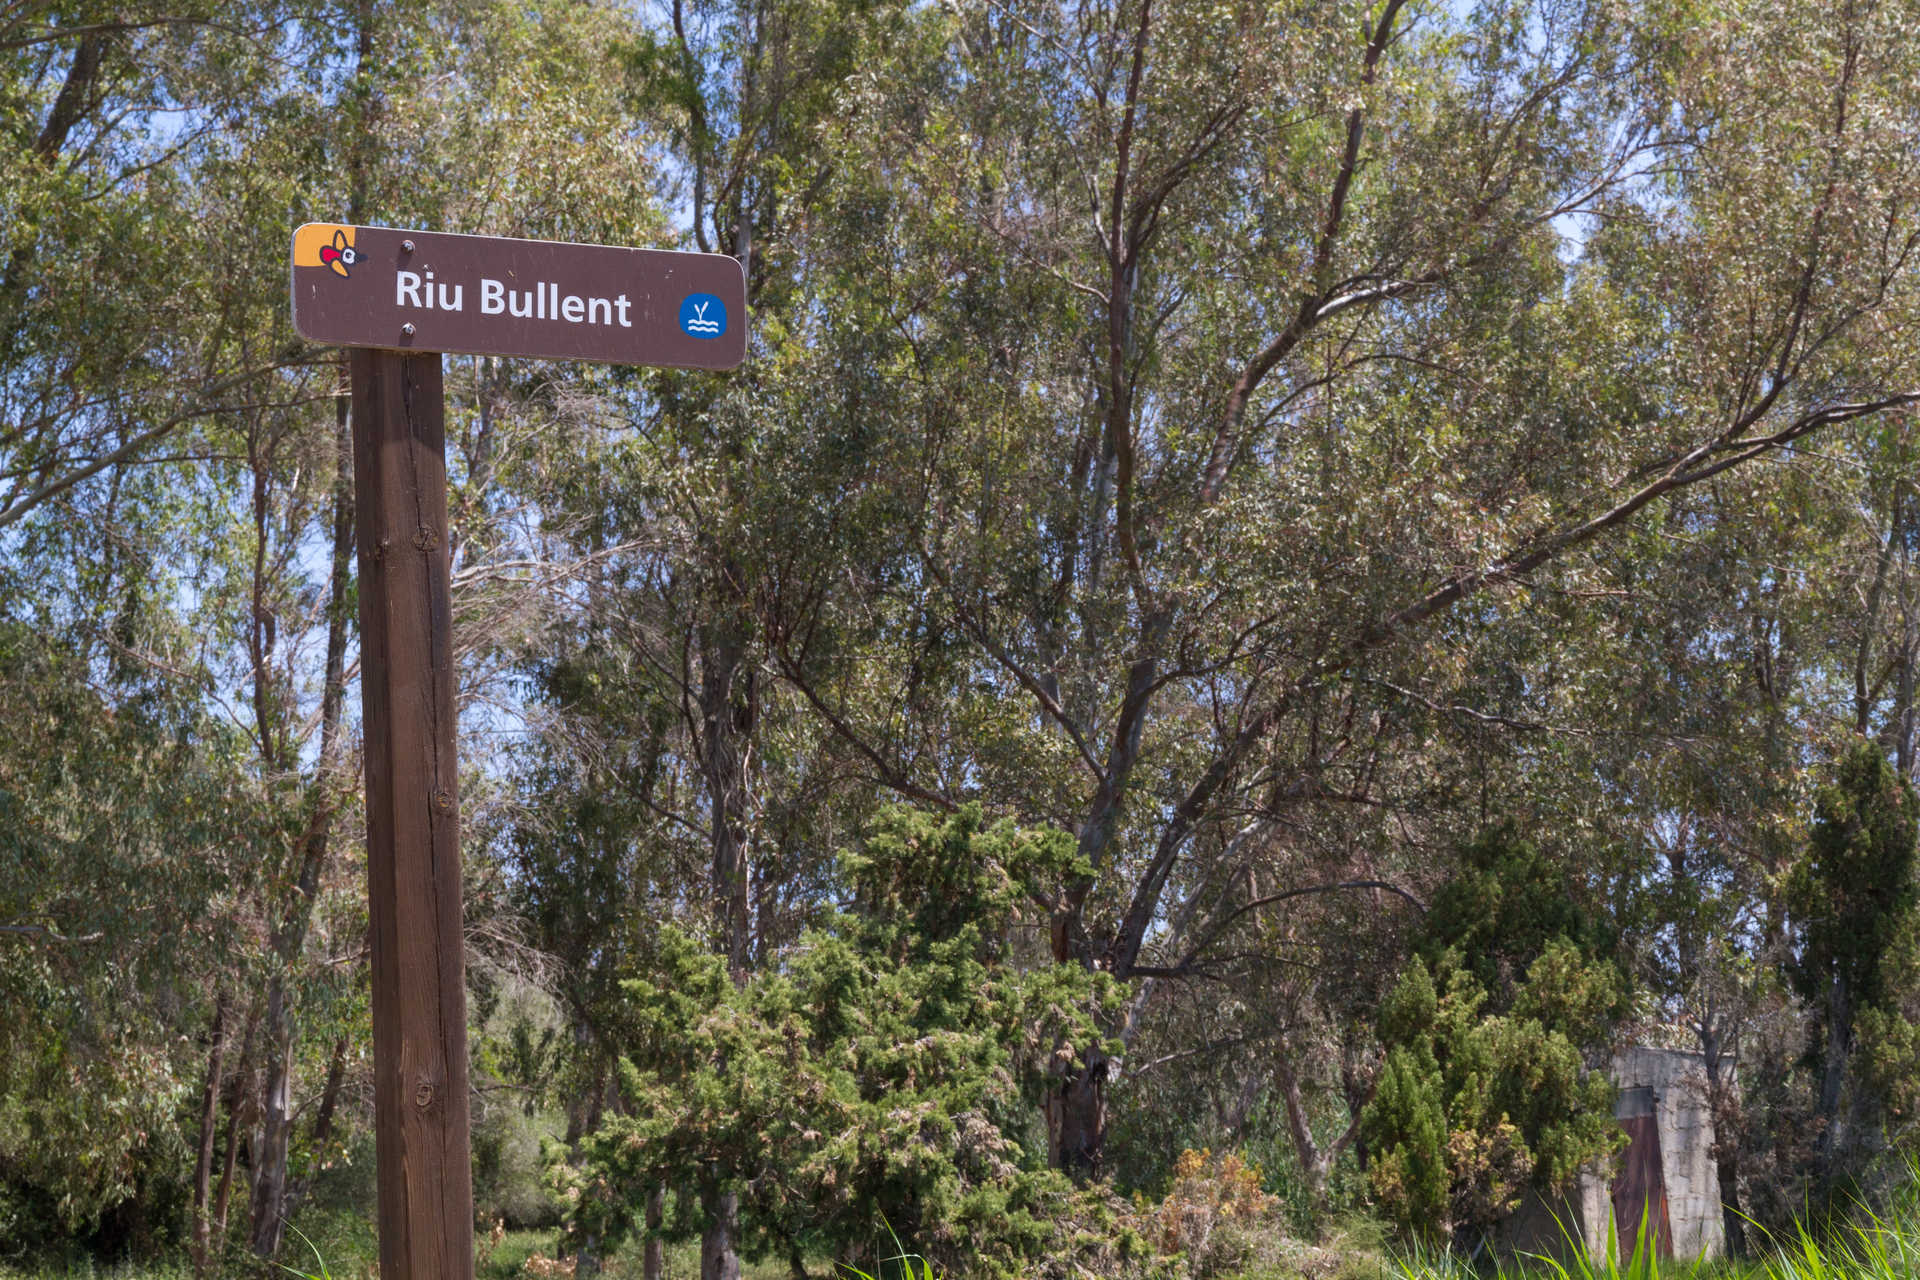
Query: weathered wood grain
point(421, 1134)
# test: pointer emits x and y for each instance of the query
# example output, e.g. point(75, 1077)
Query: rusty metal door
point(1641, 1187)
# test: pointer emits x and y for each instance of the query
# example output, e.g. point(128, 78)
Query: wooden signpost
point(401, 298)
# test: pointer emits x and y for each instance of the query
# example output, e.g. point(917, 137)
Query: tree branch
point(889, 775)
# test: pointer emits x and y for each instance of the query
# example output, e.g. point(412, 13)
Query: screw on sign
point(401, 299)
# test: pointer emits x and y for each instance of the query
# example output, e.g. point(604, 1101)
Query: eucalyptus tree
point(107, 928)
point(704, 522)
point(110, 290)
point(176, 500)
point(129, 340)
point(1262, 363)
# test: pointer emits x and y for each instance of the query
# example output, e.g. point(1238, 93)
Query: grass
point(508, 1260)
point(1874, 1247)
point(346, 1254)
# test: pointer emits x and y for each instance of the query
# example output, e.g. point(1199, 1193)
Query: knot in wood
point(426, 538)
point(380, 550)
point(443, 800)
point(423, 1095)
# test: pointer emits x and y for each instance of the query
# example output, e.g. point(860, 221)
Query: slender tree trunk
point(719, 1255)
point(267, 1163)
point(276, 1120)
point(586, 1258)
point(209, 1123)
point(581, 1104)
point(1726, 1143)
point(322, 1120)
point(653, 1264)
point(271, 1199)
point(1901, 724)
point(1316, 1161)
point(1077, 1112)
point(330, 1096)
point(1234, 1116)
point(239, 1105)
point(727, 710)
point(271, 1202)
point(1831, 1146)
point(1313, 1162)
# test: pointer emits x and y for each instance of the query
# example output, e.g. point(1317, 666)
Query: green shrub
point(891, 1064)
point(1484, 1091)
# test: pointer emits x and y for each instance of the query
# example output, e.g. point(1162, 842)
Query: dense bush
point(1485, 1090)
point(885, 1074)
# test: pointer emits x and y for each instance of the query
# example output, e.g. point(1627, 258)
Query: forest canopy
point(1279, 579)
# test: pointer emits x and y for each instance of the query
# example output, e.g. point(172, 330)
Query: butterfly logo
point(339, 255)
point(329, 245)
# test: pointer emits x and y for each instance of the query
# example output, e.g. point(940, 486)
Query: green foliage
point(1484, 1094)
point(1366, 418)
point(1854, 899)
point(319, 1260)
point(1407, 1132)
point(906, 1266)
point(121, 833)
point(1505, 907)
point(1887, 1045)
point(1854, 893)
point(890, 1063)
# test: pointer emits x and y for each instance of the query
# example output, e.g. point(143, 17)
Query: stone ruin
point(1666, 1170)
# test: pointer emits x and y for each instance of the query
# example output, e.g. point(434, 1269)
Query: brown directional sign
point(410, 295)
point(489, 295)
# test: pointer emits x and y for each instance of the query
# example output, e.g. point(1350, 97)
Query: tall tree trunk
point(728, 703)
point(209, 1123)
point(1077, 1116)
point(1901, 723)
point(653, 1264)
point(270, 1201)
point(1721, 1105)
point(727, 707)
point(239, 1107)
point(276, 1120)
point(580, 1104)
point(1831, 1146)
point(330, 1096)
point(586, 1258)
point(1357, 1086)
point(719, 1256)
point(322, 1120)
point(1306, 1151)
point(1316, 1161)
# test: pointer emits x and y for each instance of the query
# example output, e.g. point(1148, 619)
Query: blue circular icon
point(703, 315)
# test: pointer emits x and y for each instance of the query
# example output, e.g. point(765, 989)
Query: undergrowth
point(1874, 1246)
